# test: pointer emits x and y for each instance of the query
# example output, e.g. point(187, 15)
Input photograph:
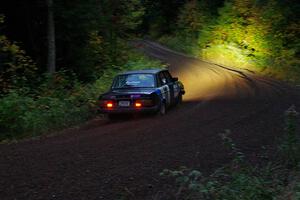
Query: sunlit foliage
point(248, 34)
point(261, 35)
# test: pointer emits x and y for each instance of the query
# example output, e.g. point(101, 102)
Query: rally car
point(152, 90)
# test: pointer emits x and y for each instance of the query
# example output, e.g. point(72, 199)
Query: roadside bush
point(244, 183)
point(289, 148)
point(23, 115)
point(262, 37)
point(240, 180)
point(236, 181)
point(16, 68)
point(58, 101)
point(181, 43)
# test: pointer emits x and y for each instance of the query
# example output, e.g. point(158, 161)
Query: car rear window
point(134, 81)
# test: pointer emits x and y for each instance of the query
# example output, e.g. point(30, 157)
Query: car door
point(164, 88)
point(172, 87)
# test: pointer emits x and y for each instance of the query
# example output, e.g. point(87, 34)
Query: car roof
point(144, 71)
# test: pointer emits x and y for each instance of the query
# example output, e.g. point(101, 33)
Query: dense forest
point(57, 56)
point(259, 35)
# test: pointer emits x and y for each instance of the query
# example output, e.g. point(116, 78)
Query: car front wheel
point(162, 109)
point(179, 99)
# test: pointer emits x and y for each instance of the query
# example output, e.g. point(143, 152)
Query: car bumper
point(120, 110)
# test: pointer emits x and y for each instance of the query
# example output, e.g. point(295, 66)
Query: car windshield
point(134, 81)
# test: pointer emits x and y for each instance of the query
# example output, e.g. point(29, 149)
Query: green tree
point(90, 33)
point(16, 68)
point(119, 19)
point(192, 18)
point(160, 16)
point(250, 33)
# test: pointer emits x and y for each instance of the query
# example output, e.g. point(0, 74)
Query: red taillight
point(138, 104)
point(109, 105)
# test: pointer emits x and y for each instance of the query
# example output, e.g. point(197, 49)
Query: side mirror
point(175, 79)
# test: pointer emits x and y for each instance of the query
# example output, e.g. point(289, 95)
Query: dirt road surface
point(107, 160)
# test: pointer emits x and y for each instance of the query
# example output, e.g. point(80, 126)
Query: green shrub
point(12, 109)
point(244, 183)
point(58, 101)
point(181, 43)
point(289, 148)
point(16, 68)
point(236, 181)
point(263, 37)
point(240, 180)
point(22, 115)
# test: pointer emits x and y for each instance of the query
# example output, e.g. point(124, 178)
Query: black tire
point(179, 99)
point(162, 109)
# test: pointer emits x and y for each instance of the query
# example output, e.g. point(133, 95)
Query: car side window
point(168, 76)
point(162, 79)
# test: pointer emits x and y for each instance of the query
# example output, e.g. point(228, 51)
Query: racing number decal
point(176, 90)
point(166, 88)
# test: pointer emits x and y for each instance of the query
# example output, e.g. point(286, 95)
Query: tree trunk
point(51, 39)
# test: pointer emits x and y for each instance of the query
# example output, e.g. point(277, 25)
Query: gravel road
point(107, 160)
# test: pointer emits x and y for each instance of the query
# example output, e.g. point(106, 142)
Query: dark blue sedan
point(151, 90)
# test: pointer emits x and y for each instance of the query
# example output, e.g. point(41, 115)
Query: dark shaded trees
point(26, 23)
point(16, 69)
point(51, 64)
point(161, 16)
point(88, 33)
